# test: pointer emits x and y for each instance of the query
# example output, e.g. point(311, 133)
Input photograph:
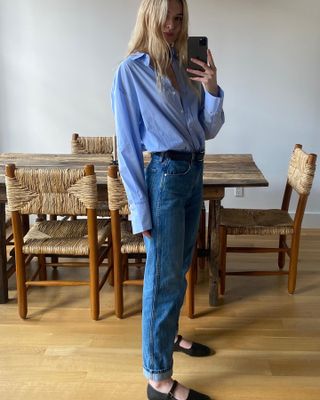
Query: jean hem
point(157, 376)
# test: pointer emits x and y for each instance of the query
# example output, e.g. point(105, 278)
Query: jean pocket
point(178, 168)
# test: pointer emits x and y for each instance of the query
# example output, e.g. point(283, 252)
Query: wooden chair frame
point(96, 255)
point(283, 248)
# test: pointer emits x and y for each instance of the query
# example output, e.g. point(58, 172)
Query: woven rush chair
point(95, 145)
point(92, 144)
point(59, 192)
point(126, 245)
point(272, 222)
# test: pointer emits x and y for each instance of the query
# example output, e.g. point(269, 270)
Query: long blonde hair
point(147, 36)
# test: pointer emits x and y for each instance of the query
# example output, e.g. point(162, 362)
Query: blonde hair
point(147, 36)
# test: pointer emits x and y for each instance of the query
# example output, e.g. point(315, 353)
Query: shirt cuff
point(212, 104)
point(140, 217)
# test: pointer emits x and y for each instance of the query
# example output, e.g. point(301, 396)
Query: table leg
point(3, 257)
point(214, 251)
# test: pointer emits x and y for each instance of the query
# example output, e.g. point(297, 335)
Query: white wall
point(57, 59)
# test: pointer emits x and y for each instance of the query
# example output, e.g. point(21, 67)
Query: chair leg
point(25, 223)
point(21, 286)
point(223, 258)
point(282, 255)
point(118, 291)
point(20, 265)
point(93, 263)
point(190, 276)
point(124, 267)
point(54, 259)
point(202, 235)
point(43, 267)
point(293, 263)
point(211, 207)
point(94, 291)
point(111, 265)
point(117, 263)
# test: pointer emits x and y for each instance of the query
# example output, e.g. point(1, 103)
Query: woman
point(158, 108)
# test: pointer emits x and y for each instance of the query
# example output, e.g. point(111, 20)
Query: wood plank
point(267, 342)
point(219, 169)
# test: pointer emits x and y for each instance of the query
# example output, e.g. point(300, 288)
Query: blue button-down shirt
point(147, 118)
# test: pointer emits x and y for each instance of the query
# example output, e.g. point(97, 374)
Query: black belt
point(180, 155)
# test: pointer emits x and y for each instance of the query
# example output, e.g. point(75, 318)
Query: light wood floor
point(267, 342)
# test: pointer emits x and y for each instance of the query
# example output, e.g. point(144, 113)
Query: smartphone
point(197, 48)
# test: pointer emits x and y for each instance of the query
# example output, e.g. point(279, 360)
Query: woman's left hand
point(208, 77)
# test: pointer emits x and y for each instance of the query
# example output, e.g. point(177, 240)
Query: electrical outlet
point(239, 192)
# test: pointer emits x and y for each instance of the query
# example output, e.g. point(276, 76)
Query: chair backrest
point(301, 171)
point(55, 191)
point(117, 197)
point(92, 144)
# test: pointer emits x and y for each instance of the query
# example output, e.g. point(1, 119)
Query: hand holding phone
point(202, 69)
point(197, 48)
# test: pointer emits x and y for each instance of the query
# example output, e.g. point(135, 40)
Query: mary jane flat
point(153, 394)
point(196, 350)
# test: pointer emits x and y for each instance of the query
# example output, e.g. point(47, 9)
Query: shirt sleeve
point(127, 117)
point(211, 113)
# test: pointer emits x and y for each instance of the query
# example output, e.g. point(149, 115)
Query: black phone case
point(197, 48)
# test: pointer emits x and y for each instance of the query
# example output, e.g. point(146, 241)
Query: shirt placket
point(185, 110)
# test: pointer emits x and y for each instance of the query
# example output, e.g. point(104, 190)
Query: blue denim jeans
point(175, 195)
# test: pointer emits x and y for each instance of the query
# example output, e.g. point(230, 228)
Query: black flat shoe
point(153, 394)
point(196, 350)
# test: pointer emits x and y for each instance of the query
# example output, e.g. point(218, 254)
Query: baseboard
point(311, 220)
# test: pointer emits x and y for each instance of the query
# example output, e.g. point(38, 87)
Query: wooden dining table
point(220, 172)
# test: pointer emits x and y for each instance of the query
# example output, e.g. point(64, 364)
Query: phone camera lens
point(203, 41)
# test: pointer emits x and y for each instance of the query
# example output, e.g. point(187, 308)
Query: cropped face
point(172, 27)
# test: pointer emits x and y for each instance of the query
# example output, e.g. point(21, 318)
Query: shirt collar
point(145, 58)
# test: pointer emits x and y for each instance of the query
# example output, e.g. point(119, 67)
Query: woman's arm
point(211, 113)
point(127, 117)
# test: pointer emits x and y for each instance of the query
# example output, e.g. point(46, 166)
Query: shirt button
point(173, 92)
